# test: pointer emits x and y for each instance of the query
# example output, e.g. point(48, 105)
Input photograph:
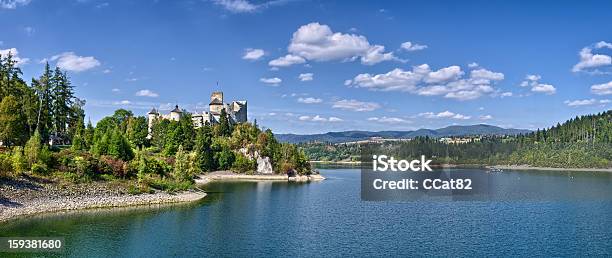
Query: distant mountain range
point(351, 136)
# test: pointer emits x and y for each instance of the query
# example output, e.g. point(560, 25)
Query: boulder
point(264, 166)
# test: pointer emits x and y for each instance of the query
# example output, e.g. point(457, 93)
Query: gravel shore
point(29, 196)
point(231, 176)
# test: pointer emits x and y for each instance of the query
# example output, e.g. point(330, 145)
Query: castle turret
point(152, 115)
point(175, 114)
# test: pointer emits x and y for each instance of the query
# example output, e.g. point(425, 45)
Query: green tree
point(225, 128)
point(119, 147)
point(13, 129)
point(203, 150)
point(182, 166)
point(32, 149)
point(225, 159)
point(137, 131)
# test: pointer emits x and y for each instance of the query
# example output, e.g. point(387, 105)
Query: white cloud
point(409, 46)
point(271, 81)
point(533, 80)
point(237, 6)
point(547, 89)
point(389, 120)
point(602, 89)
point(306, 77)
point(19, 61)
point(147, 93)
point(448, 82)
point(355, 105)
point(317, 42)
point(473, 65)
point(588, 60)
point(12, 4)
point(106, 71)
point(309, 100)
point(287, 60)
point(506, 94)
point(71, 62)
point(123, 102)
point(486, 117)
point(318, 118)
point(444, 114)
point(253, 54)
point(586, 102)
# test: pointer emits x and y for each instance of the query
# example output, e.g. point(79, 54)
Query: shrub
point(225, 159)
point(39, 168)
point(20, 163)
point(6, 165)
point(115, 167)
point(243, 164)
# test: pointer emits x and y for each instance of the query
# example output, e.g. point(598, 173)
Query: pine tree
point(204, 153)
point(225, 128)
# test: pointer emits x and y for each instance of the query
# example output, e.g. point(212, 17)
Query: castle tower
point(175, 114)
point(152, 115)
point(216, 102)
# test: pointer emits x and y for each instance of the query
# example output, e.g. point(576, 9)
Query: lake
point(328, 218)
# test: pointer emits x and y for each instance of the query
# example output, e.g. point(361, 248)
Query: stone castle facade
point(236, 112)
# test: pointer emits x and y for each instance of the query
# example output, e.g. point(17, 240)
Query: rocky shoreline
point(232, 176)
point(29, 196)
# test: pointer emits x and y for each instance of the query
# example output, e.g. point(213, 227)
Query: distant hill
point(350, 136)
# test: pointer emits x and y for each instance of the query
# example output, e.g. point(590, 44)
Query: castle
point(236, 112)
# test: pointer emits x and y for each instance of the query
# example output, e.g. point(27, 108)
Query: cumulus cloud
point(147, 93)
point(309, 100)
point(585, 102)
point(317, 42)
point(602, 89)
point(318, 118)
point(287, 60)
point(533, 81)
point(588, 60)
point(19, 61)
point(306, 77)
point(355, 105)
point(409, 46)
point(444, 114)
point(71, 62)
point(449, 82)
point(12, 4)
point(253, 54)
point(271, 81)
point(389, 120)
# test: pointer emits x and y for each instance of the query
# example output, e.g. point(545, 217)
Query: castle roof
point(153, 111)
point(216, 101)
point(176, 110)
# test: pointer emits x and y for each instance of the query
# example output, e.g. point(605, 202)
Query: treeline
point(582, 142)
point(42, 131)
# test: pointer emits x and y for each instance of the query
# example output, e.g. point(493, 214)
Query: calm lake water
point(329, 219)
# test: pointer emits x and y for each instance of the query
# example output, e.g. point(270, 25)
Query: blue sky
point(318, 66)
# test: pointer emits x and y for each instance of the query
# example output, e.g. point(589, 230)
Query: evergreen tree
point(225, 128)
point(43, 87)
point(62, 95)
point(204, 153)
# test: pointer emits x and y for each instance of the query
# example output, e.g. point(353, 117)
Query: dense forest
point(581, 142)
point(43, 133)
